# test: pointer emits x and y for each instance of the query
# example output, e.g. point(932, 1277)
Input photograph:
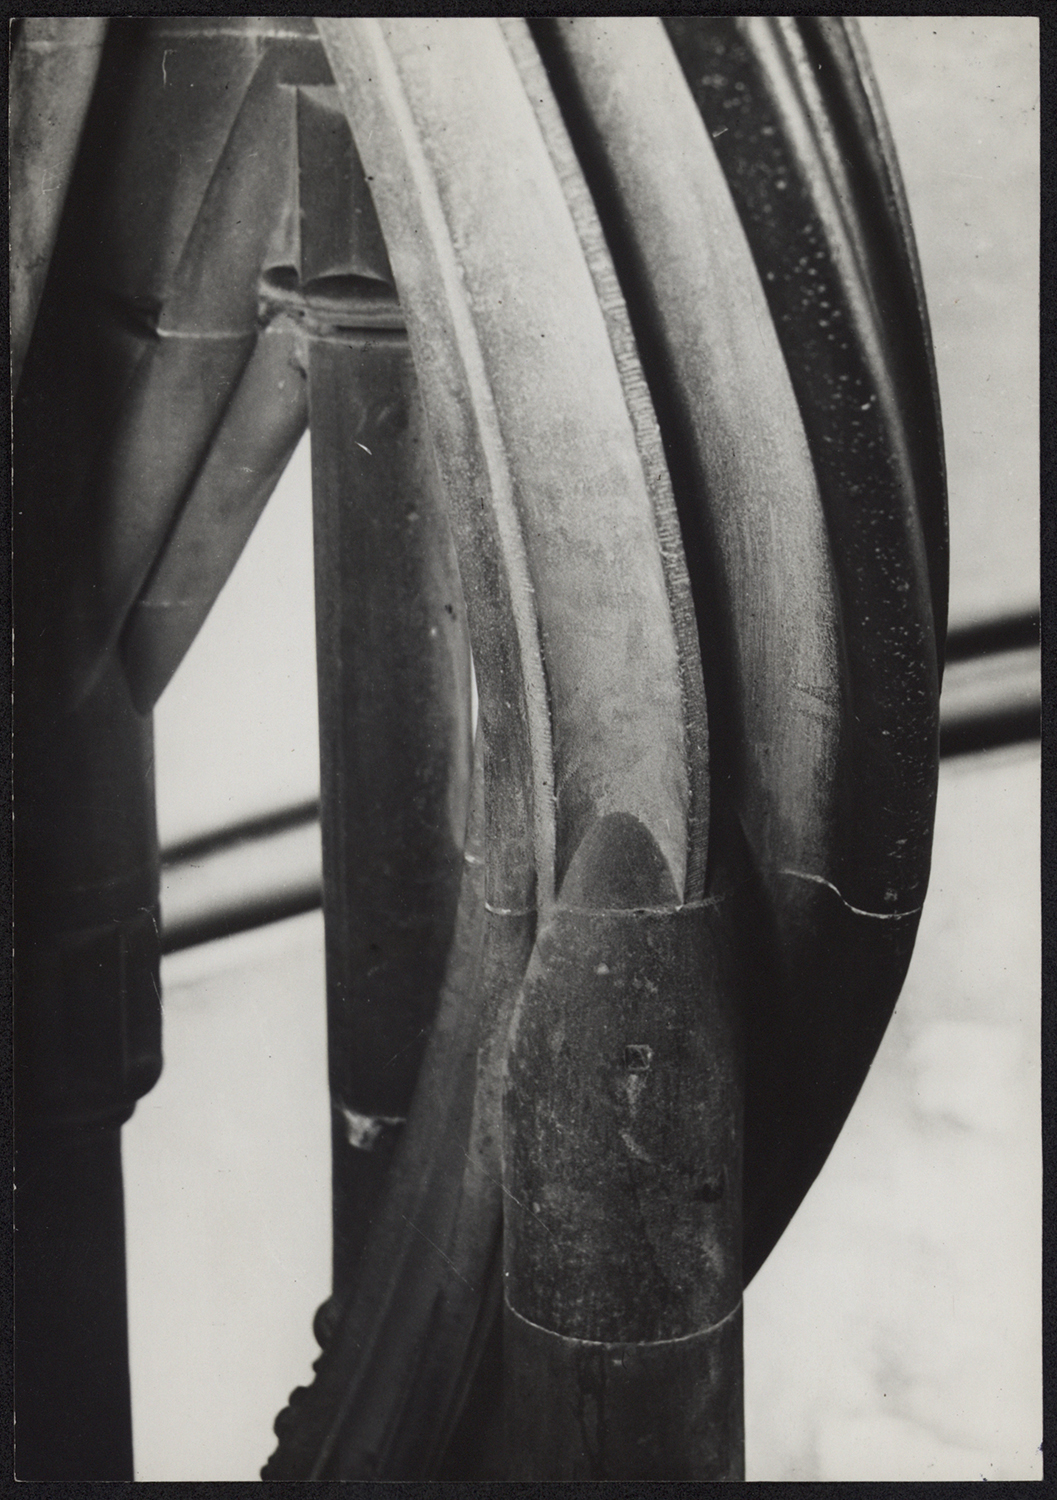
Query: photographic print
point(526, 748)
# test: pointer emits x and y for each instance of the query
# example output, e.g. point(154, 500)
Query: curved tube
point(794, 448)
point(581, 668)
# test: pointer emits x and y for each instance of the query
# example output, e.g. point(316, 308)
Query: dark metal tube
point(72, 1404)
point(393, 666)
point(622, 1167)
point(394, 674)
point(88, 1044)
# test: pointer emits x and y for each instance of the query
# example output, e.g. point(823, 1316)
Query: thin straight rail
point(87, 1045)
point(393, 668)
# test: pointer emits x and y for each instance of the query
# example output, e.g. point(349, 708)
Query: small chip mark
point(362, 1131)
point(634, 1150)
point(712, 1189)
point(638, 1057)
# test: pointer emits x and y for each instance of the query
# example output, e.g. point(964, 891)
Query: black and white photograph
point(526, 762)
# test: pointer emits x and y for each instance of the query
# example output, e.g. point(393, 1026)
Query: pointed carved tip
point(619, 866)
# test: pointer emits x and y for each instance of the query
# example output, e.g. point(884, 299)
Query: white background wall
point(895, 1331)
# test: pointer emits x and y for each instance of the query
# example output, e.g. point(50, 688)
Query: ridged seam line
point(631, 1344)
point(877, 916)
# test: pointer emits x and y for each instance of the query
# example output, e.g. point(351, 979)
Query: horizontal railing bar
point(251, 873)
point(991, 700)
point(987, 637)
point(256, 912)
point(1014, 726)
point(262, 825)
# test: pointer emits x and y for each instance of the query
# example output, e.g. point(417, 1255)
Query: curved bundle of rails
point(612, 341)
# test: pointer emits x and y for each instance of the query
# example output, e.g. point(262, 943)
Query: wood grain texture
point(622, 1128)
point(618, 1411)
point(811, 225)
point(524, 398)
point(772, 353)
point(647, 431)
point(854, 105)
point(752, 518)
point(815, 186)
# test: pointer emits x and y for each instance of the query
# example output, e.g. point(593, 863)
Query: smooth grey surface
point(895, 1332)
point(962, 98)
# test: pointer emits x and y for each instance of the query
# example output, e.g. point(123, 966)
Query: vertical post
point(86, 876)
point(54, 62)
point(622, 1163)
point(88, 1044)
point(394, 678)
point(394, 750)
